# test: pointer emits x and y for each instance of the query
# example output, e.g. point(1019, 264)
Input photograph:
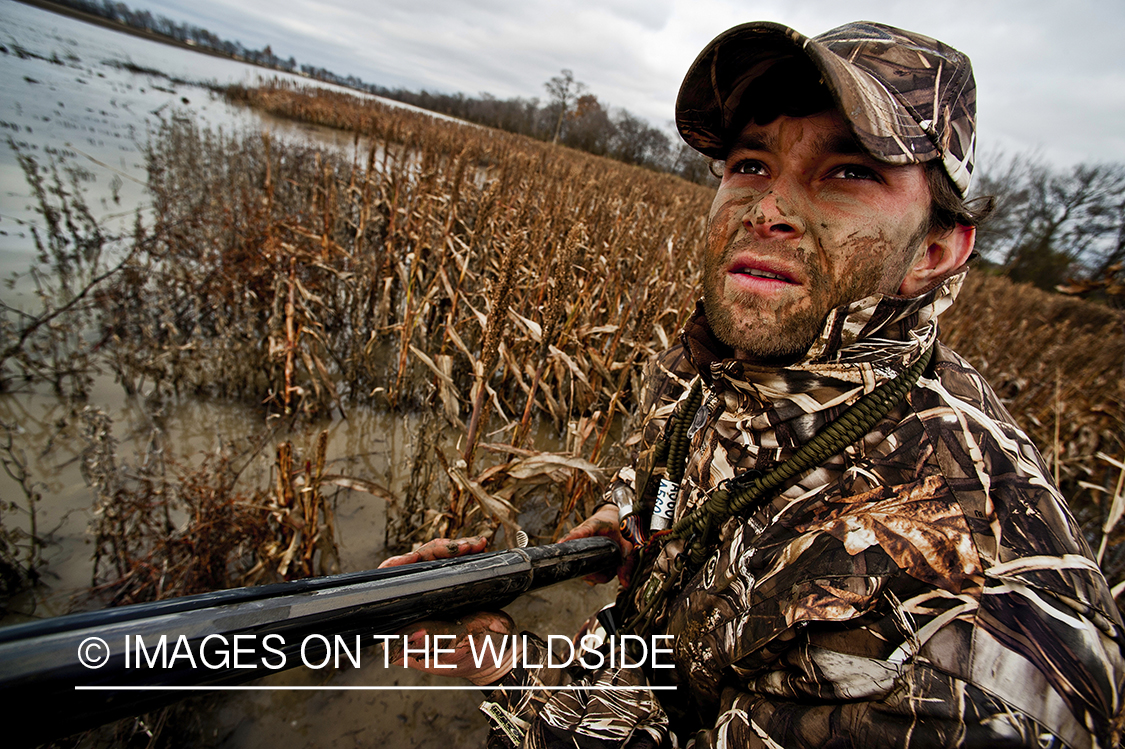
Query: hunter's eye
point(747, 166)
point(854, 171)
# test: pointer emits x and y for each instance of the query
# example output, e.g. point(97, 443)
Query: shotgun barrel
point(72, 664)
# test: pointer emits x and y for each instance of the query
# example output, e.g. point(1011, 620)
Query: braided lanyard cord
point(735, 496)
point(677, 451)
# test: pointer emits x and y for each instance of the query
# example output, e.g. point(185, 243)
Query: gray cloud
point(1050, 74)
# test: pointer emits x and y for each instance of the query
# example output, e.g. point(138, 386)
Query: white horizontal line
point(359, 689)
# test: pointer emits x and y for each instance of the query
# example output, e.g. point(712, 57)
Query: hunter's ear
point(944, 252)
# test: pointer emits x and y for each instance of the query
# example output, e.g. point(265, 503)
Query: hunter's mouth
point(758, 270)
point(758, 273)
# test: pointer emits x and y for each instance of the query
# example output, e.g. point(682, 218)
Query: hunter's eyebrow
point(754, 142)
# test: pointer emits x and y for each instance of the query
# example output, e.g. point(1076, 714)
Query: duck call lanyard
point(734, 496)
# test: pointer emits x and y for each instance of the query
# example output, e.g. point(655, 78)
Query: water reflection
point(91, 96)
point(85, 98)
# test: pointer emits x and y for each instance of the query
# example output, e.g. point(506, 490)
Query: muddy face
point(803, 222)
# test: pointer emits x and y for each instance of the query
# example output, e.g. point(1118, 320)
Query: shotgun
point(71, 664)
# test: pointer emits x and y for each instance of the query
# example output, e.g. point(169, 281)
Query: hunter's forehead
point(824, 132)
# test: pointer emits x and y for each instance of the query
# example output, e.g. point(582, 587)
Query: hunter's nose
point(770, 217)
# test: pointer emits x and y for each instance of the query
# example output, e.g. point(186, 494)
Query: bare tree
point(693, 166)
point(564, 91)
point(1050, 223)
point(637, 142)
point(589, 127)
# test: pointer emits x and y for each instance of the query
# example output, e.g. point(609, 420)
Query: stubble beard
point(770, 334)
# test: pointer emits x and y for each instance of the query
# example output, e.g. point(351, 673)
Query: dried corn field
point(505, 293)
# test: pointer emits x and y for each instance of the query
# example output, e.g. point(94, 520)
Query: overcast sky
point(1050, 73)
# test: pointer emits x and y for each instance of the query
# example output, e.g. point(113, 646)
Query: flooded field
point(82, 93)
point(88, 99)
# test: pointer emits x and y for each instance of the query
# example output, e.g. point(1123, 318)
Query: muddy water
point(67, 95)
point(368, 444)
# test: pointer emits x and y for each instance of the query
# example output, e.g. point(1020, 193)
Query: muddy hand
point(439, 548)
point(458, 648)
point(604, 523)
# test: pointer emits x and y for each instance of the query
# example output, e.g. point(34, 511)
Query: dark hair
point(948, 209)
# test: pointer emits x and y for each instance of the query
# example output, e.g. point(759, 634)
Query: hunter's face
point(803, 222)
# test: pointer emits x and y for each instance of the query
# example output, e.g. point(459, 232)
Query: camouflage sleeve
point(876, 626)
point(575, 706)
point(937, 595)
point(959, 607)
point(966, 717)
point(544, 707)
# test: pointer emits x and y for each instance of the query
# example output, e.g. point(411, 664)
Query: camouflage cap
point(907, 98)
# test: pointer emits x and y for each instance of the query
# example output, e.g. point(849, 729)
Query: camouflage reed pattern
point(924, 587)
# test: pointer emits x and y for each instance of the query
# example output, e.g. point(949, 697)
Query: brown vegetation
point(495, 279)
point(1058, 363)
point(163, 529)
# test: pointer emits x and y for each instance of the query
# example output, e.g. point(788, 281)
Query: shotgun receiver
point(71, 665)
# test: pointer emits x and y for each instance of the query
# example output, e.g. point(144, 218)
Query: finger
point(408, 558)
point(447, 548)
point(602, 523)
point(439, 548)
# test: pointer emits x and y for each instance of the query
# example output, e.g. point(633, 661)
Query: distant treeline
point(1052, 224)
point(581, 122)
point(587, 125)
point(180, 32)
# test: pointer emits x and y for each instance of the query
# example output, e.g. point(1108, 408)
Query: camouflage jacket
point(926, 586)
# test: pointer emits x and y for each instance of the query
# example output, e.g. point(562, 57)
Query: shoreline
point(152, 36)
point(78, 15)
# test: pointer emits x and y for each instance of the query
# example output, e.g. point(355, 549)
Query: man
point(905, 575)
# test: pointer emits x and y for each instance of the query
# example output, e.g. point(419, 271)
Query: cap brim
point(712, 90)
